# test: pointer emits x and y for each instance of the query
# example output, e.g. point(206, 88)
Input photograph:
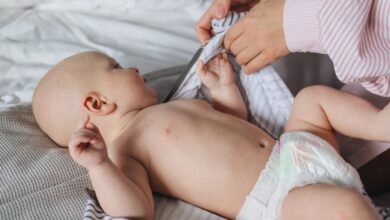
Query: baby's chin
point(154, 93)
point(63, 143)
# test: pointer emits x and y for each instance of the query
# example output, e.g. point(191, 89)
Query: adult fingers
point(258, 62)
point(248, 54)
point(233, 33)
point(239, 44)
point(203, 28)
point(218, 9)
point(243, 5)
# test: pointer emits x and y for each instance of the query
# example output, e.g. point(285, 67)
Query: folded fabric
point(267, 97)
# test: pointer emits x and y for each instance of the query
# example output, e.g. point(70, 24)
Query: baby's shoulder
point(188, 102)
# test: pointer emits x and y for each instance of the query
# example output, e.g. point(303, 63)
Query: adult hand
point(258, 38)
point(218, 10)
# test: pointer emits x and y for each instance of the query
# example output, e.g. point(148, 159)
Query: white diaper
point(298, 159)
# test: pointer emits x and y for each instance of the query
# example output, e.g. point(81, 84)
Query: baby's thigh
point(322, 201)
point(308, 115)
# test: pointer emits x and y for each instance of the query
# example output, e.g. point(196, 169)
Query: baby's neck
point(112, 126)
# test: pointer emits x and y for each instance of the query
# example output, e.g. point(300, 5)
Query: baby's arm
point(117, 194)
point(218, 76)
point(320, 109)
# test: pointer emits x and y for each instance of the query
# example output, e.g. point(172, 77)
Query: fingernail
point(220, 12)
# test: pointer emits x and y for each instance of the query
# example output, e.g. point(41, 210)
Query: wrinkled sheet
point(36, 34)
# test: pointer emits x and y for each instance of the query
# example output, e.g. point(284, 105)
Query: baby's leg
point(324, 202)
point(320, 109)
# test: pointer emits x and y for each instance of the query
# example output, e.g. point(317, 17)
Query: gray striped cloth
point(267, 97)
point(38, 180)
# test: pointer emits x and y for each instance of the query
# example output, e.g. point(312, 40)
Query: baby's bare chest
point(190, 127)
point(194, 124)
point(175, 142)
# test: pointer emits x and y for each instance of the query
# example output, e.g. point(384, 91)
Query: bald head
point(58, 99)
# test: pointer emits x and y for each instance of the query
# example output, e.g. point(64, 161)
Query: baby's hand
point(217, 73)
point(87, 146)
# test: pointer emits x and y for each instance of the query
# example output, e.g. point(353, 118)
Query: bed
point(39, 180)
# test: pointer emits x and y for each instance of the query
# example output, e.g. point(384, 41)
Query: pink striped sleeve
point(356, 36)
point(301, 25)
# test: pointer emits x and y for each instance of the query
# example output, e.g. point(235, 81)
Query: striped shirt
point(354, 33)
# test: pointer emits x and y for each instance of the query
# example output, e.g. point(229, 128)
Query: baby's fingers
point(98, 143)
point(78, 141)
point(225, 55)
point(84, 123)
point(77, 145)
point(92, 127)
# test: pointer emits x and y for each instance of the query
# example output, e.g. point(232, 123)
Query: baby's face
point(79, 79)
point(125, 86)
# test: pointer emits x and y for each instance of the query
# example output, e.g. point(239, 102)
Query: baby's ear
point(97, 104)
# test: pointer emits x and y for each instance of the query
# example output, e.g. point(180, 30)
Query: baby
point(209, 156)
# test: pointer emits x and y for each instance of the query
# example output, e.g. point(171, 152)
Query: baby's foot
point(217, 73)
point(220, 65)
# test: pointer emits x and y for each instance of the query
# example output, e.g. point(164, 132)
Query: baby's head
point(88, 83)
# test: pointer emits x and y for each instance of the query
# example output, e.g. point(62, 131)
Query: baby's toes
point(225, 55)
point(211, 62)
point(224, 63)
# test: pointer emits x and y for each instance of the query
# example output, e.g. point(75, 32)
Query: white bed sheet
point(35, 34)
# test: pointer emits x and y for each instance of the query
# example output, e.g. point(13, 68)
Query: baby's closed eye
point(117, 66)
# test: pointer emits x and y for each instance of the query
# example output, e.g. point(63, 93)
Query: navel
point(262, 145)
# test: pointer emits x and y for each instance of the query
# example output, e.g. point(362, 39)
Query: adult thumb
point(222, 7)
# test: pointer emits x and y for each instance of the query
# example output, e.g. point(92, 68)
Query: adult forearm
point(117, 194)
point(301, 26)
point(353, 33)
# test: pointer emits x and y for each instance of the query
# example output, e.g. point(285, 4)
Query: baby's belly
point(213, 163)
